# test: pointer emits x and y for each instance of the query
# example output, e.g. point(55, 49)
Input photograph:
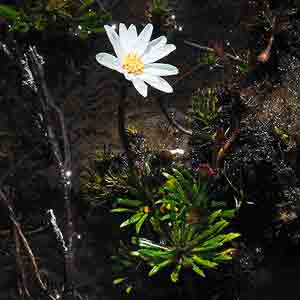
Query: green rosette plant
point(194, 231)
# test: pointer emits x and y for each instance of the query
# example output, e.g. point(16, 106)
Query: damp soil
point(89, 96)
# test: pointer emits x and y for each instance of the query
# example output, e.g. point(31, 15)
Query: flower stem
point(172, 120)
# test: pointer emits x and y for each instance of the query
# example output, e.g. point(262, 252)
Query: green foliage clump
point(167, 218)
point(76, 17)
point(205, 107)
point(107, 176)
point(140, 201)
point(190, 228)
point(104, 178)
point(189, 243)
point(160, 7)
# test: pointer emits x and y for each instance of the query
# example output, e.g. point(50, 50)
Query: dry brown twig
point(208, 49)
point(264, 56)
point(21, 240)
point(21, 277)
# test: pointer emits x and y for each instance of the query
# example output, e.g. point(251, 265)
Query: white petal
point(143, 39)
point(157, 82)
point(140, 86)
point(115, 41)
point(161, 69)
point(132, 33)
point(158, 53)
point(109, 61)
point(128, 38)
point(123, 33)
point(129, 77)
point(157, 43)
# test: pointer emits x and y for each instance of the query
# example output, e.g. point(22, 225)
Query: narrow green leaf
point(150, 252)
point(190, 231)
point(140, 222)
point(212, 230)
point(224, 255)
point(165, 217)
point(206, 248)
point(175, 274)
point(128, 289)
point(157, 253)
point(219, 239)
point(145, 243)
point(121, 210)
point(197, 270)
point(187, 174)
point(204, 262)
point(229, 213)
point(214, 216)
point(182, 180)
point(160, 266)
point(230, 236)
point(118, 280)
point(132, 220)
point(222, 258)
point(129, 202)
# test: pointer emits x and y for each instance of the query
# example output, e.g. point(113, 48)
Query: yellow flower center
point(133, 64)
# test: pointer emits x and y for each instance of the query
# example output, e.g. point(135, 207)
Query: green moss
point(77, 17)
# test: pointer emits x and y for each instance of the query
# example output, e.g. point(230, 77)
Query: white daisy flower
point(137, 56)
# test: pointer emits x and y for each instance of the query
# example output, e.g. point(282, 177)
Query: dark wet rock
point(257, 160)
point(256, 166)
